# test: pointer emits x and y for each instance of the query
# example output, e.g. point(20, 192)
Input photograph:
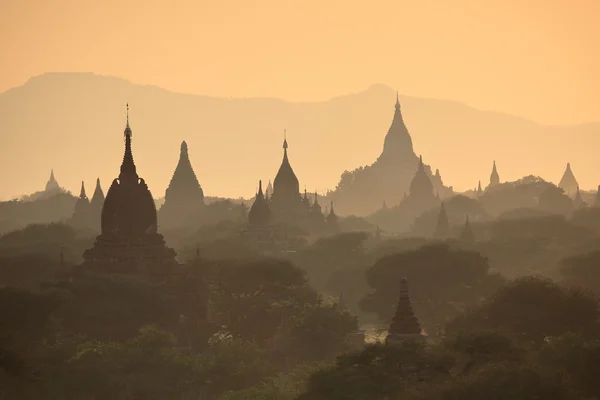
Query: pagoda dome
point(259, 213)
point(129, 209)
point(286, 179)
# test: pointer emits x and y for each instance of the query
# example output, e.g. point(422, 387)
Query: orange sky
point(538, 59)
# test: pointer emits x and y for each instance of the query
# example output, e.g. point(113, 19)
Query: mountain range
point(73, 123)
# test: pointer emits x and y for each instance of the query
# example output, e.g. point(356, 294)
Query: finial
point(397, 100)
point(127, 105)
point(260, 186)
point(285, 145)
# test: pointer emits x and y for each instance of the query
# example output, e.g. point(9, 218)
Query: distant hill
point(73, 122)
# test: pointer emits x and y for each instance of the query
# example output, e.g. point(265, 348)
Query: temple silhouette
point(389, 177)
point(129, 238)
point(184, 197)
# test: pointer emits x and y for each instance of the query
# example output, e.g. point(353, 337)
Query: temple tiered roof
point(405, 324)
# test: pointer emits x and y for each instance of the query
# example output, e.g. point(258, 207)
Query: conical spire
point(398, 143)
point(285, 180)
point(128, 170)
point(443, 227)
point(260, 213)
point(421, 185)
point(184, 191)
point(332, 219)
point(479, 189)
point(405, 324)
point(52, 184)
point(467, 233)
point(568, 183)
point(578, 201)
point(98, 197)
point(494, 177)
point(82, 194)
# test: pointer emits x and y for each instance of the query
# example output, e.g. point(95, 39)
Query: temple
point(52, 185)
point(82, 214)
point(421, 196)
point(568, 183)
point(129, 238)
point(388, 178)
point(405, 324)
point(442, 229)
point(494, 177)
point(467, 234)
point(96, 204)
point(184, 197)
point(577, 200)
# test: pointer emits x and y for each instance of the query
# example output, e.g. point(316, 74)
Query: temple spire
point(128, 170)
point(443, 226)
point(397, 101)
point(494, 177)
point(405, 324)
point(467, 233)
point(82, 194)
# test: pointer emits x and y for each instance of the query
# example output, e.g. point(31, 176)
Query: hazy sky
point(538, 59)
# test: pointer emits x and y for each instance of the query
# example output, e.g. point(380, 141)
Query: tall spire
point(397, 101)
point(494, 177)
point(398, 143)
point(52, 184)
point(568, 183)
point(98, 197)
point(82, 194)
point(443, 226)
point(467, 233)
point(405, 324)
point(285, 145)
point(578, 201)
point(128, 170)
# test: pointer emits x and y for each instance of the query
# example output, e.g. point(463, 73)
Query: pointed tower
point(82, 214)
point(442, 229)
point(52, 184)
point(494, 177)
point(398, 143)
point(286, 201)
point(259, 214)
point(421, 188)
point(184, 196)
point(467, 234)
point(129, 231)
point(568, 183)
point(316, 215)
point(405, 325)
point(98, 197)
point(479, 189)
point(269, 190)
point(332, 220)
point(578, 201)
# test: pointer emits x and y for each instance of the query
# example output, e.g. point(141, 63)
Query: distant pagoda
point(52, 185)
point(494, 177)
point(568, 183)
point(405, 324)
point(184, 198)
point(129, 237)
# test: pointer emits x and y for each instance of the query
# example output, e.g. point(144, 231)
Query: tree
point(532, 309)
point(583, 270)
point(443, 282)
point(250, 299)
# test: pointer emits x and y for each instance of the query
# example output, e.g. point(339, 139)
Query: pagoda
point(52, 185)
point(494, 177)
point(184, 198)
point(443, 227)
point(405, 324)
point(285, 201)
point(82, 215)
point(96, 205)
point(129, 238)
point(568, 183)
point(467, 234)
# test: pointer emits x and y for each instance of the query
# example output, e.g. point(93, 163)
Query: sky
point(536, 59)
